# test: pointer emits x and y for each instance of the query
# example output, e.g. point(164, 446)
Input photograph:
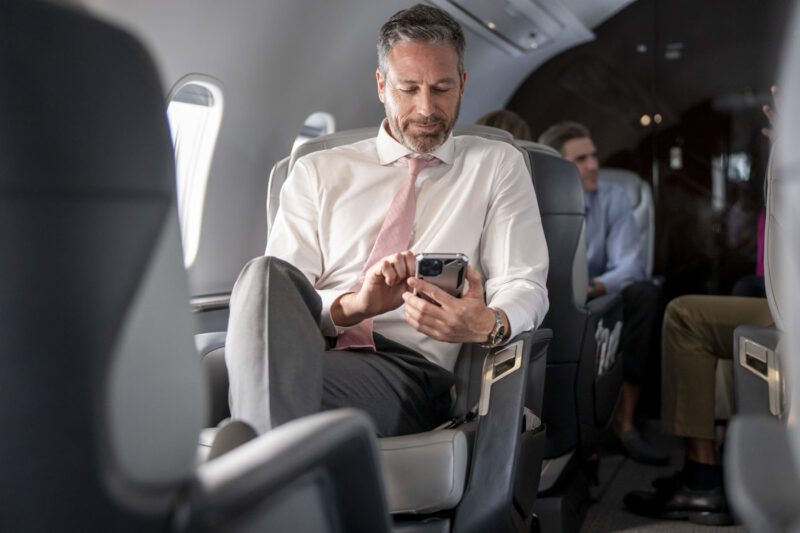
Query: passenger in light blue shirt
point(616, 265)
point(612, 239)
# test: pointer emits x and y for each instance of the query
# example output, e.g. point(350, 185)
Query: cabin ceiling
point(278, 62)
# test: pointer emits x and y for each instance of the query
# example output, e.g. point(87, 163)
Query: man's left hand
point(465, 319)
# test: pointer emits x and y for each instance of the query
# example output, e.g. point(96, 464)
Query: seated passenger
point(615, 265)
point(328, 318)
point(508, 121)
point(697, 332)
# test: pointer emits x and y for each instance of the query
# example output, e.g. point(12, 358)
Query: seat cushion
point(425, 472)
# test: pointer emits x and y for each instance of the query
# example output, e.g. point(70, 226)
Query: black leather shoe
point(707, 507)
point(640, 451)
point(668, 483)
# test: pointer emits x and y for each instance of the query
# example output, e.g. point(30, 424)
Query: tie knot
point(416, 164)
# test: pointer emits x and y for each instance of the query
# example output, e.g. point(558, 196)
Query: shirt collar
point(389, 150)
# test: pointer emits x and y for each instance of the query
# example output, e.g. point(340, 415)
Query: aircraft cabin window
point(319, 123)
point(195, 114)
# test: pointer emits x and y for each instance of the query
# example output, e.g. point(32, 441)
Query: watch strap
point(498, 331)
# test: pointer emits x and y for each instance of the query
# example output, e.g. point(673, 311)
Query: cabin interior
point(104, 414)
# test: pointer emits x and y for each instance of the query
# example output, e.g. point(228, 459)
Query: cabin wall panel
point(278, 61)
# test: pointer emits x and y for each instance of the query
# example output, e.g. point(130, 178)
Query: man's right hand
point(596, 289)
point(382, 290)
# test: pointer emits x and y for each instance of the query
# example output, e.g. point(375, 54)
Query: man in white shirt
point(475, 197)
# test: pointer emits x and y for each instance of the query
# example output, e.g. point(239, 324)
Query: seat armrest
point(761, 475)
point(311, 474)
point(487, 504)
point(757, 373)
point(208, 342)
point(601, 304)
point(211, 347)
point(424, 472)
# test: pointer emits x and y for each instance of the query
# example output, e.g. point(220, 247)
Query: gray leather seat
point(102, 393)
point(584, 368)
point(481, 475)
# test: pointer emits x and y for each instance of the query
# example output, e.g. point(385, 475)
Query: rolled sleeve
point(516, 275)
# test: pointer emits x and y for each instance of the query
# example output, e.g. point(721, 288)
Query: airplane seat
point(481, 474)
point(584, 367)
point(761, 467)
point(641, 198)
point(280, 171)
point(102, 394)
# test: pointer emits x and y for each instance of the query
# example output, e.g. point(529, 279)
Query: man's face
point(582, 152)
point(421, 92)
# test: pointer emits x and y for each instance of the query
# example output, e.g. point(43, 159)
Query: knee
point(263, 266)
point(681, 314)
point(679, 306)
point(641, 293)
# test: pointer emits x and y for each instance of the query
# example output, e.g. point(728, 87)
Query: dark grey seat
point(584, 367)
point(102, 393)
point(479, 476)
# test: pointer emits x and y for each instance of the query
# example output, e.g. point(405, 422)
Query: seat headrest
point(341, 138)
point(557, 183)
point(61, 146)
point(628, 180)
point(531, 146)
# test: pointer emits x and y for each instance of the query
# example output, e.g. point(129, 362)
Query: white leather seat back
point(641, 198)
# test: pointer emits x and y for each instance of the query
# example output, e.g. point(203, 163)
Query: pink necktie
point(394, 236)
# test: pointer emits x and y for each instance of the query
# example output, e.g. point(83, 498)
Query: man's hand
point(770, 114)
point(382, 290)
point(465, 319)
point(596, 288)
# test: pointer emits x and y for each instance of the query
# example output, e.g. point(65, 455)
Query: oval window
point(195, 114)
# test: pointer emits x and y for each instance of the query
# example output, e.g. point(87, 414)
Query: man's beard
point(421, 142)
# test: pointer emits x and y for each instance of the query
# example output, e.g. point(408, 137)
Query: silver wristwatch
point(498, 331)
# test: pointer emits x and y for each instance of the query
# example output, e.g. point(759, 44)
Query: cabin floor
point(618, 475)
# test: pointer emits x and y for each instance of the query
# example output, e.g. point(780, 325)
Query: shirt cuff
point(328, 296)
point(518, 318)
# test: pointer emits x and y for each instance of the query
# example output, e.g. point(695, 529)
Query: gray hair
point(420, 23)
point(557, 135)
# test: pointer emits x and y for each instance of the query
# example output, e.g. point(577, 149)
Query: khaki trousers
point(697, 332)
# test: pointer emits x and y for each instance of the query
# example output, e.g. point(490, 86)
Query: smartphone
point(446, 271)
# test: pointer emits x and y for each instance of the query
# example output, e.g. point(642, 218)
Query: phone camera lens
point(430, 267)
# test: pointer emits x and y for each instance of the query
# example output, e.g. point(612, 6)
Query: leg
point(399, 389)
point(279, 368)
point(274, 313)
point(697, 331)
point(640, 305)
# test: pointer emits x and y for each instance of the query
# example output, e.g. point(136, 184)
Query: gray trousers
point(280, 366)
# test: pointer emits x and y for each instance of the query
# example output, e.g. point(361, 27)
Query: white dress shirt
point(480, 201)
